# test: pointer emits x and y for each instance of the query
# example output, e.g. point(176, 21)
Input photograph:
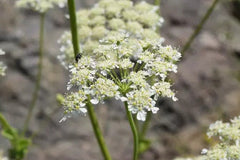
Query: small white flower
point(204, 151)
point(94, 101)
point(2, 52)
point(3, 67)
point(40, 5)
point(141, 115)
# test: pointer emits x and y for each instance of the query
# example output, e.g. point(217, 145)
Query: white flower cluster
point(40, 5)
point(2, 66)
point(228, 148)
point(119, 60)
point(107, 18)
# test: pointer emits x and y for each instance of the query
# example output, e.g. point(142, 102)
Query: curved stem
point(199, 26)
point(97, 131)
point(146, 125)
point(134, 131)
point(39, 74)
point(73, 23)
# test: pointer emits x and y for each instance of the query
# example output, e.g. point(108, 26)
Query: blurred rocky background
point(207, 85)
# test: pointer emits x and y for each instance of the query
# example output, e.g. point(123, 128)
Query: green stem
point(39, 74)
point(97, 131)
point(157, 2)
point(134, 131)
point(91, 113)
point(73, 23)
point(146, 125)
point(199, 26)
point(136, 122)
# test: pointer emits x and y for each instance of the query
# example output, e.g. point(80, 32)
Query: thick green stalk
point(97, 131)
point(73, 24)
point(199, 26)
point(39, 74)
point(134, 131)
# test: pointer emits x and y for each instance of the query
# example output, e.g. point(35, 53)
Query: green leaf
point(6, 134)
point(19, 144)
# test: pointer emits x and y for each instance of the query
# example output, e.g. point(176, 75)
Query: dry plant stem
point(91, 113)
point(39, 74)
point(97, 131)
point(199, 26)
point(134, 131)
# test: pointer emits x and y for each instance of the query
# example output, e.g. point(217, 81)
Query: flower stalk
point(97, 131)
point(91, 113)
point(73, 24)
point(39, 74)
point(199, 26)
point(134, 131)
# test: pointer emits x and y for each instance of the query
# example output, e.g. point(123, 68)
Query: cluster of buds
point(2, 66)
point(40, 5)
point(122, 57)
point(228, 148)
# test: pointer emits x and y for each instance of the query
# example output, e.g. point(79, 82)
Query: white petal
point(174, 98)
point(123, 99)
point(204, 151)
point(83, 110)
point(154, 109)
point(63, 119)
point(141, 115)
point(94, 101)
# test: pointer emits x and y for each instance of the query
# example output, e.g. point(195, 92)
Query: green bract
point(40, 5)
point(122, 58)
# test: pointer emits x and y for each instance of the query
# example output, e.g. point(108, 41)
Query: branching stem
point(199, 26)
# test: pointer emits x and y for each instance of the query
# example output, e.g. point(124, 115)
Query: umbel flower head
point(2, 66)
point(228, 148)
point(40, 5)
point(119, 60)
point(109, 17)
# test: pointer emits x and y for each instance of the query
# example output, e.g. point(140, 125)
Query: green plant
point(121, 56)
point(19, 143)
